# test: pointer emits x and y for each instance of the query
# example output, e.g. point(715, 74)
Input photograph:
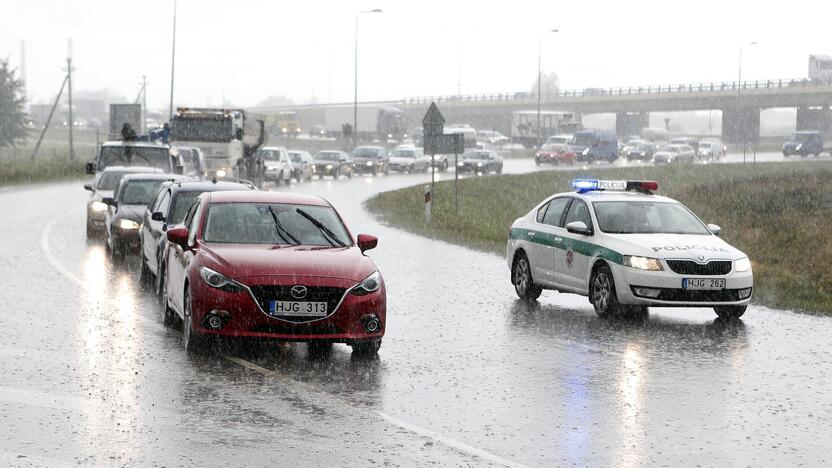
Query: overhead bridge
point(740, 103)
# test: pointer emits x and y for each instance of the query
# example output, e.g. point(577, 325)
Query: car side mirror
point(88, 187)
point(110, 201)
point(716, 230)
point(367, 242)
point(178, 236)
point(89, 168)
point(578, 227)
point(157, 216)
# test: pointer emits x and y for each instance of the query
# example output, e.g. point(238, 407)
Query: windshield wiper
point(329, 235)
point(281, 231)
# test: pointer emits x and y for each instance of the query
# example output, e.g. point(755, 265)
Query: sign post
point(428, 190)
point(433, 128)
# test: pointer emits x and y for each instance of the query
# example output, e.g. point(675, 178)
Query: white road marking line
point(447, 441)
point(50, 257)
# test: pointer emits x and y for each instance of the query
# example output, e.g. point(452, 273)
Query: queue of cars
point(229, 261)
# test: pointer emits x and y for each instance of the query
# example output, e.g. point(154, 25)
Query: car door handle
point(531, 234)
point(558, 239)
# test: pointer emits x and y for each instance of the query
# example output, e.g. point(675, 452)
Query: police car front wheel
point(602, 292)
point(729, 312)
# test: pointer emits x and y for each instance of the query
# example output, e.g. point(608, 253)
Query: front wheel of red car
point(366, 348)
point(191, 338)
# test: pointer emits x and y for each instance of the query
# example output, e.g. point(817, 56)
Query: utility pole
point(172, 62)
point(539, 74)
point(144, 103)
point(69, 85)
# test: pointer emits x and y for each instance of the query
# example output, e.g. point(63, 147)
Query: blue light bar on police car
point(588, 185)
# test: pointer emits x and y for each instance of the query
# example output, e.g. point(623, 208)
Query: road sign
point(445, 144)
point(433, 124)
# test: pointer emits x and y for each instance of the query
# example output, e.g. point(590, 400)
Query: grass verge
point(780, 214)
point(17, 172)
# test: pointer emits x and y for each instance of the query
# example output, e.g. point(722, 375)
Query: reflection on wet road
point(467, 373)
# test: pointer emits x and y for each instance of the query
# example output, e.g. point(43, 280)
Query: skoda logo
point(298, 291)
point(701, 258)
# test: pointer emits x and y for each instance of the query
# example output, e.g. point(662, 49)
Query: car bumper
point(96, 220)
point(628, 280)
point(126, 239)
point(323, 171)
point(245, 318)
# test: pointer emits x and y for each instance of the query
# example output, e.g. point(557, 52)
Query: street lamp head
point(377, 10)
point(554, 31)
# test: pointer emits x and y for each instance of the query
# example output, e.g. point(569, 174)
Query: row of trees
point(12, 102)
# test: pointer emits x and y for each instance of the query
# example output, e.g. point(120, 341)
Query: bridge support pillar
point(631, 123)
point(815, 118)
point(741, 125)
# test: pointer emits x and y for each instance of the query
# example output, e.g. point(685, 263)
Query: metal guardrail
point(627, 91)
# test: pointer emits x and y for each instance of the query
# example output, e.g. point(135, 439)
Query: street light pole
point(355, 97)
point(172, 62)
point(539, 74)
point(739, 77)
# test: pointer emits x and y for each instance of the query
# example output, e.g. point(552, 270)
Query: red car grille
point(266, 293)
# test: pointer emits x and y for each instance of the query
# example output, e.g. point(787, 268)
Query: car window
point(646, 217)
point(109, 180)
point(138, 192)
point(183, 202)
point(578, 211)
point(164, 203)
point(194, 224)
point(275, 223)
point(554, 212)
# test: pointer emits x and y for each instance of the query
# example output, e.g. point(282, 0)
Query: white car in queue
point(626, 249)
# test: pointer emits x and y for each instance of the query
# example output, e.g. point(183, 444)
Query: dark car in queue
point(273, 266)
point(370, 160)
point(125, 210)
point(167, 209)
point(481, 162)
point(640, 150)
point(554, 153)
point(333, 163)
point(103, 186)
point(303, 166)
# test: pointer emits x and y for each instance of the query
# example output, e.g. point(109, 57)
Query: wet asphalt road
point(467, 375)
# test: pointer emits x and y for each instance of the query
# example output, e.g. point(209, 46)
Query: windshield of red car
point(256, 223)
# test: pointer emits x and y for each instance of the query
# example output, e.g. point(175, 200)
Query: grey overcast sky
point(246, 50)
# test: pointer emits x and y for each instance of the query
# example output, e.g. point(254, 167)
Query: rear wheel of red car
point(191, 338)
point(366, 348)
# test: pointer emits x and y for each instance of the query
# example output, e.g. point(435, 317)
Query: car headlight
point(643, 153)
point(367, 285)
point(585, 152)
point(369, 163)
point(479, 164)
point(219, 281)
point(285, 130)
point(741, 265)
point(436, 157)
point(460, 164)
point(128, 224)
point(799, 147)
point(98, 206)
point(221, 173)
point(643, 263)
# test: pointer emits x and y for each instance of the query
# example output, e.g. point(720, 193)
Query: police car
point(626, 249)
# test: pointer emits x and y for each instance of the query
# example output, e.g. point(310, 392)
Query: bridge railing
point(625, 91)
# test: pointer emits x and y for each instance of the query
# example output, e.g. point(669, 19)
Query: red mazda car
point(275, 266)
point(554, 153)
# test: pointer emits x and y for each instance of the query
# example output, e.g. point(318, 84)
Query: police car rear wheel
point(523, 283)
point(729, 312)
point(602, 292)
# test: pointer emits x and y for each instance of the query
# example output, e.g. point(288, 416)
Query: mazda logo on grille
point(298, 291)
